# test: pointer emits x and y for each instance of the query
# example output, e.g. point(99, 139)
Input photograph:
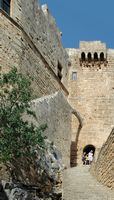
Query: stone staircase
point(79, 184)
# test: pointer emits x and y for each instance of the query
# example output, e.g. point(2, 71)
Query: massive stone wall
point(55, 111)
point(31, 42)
point(92, 94)
point(103, 167)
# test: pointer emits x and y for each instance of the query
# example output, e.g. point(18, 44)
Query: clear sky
point(83, 20)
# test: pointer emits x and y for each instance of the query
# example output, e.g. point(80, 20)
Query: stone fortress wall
point(91, 91)
point(103, 167)
point(30, 41)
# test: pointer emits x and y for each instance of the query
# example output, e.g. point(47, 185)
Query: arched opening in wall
point(5, 5)
point(102, 56)
point(88, 154)
point(89, 56)
point(88, 148)
point(95, 56)
point(83, 56)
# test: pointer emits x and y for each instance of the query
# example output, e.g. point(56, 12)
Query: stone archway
point(88, 148)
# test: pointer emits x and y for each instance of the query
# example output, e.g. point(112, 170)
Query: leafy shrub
point(17, 137)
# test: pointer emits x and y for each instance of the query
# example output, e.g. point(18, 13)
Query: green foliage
point(17, 137)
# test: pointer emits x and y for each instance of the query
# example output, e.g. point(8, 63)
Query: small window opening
point(89, 56)
point(5, 5)
point(59, 73)
point(102, 56)
point(74, 76)
point(83, 56)
point(95, 56)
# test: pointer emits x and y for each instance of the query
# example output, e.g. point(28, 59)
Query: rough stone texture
point(103, 166)
point(79, 184)
point(41, 27)
point(33, 178)
point(31, 42)
point(55, 111)
point(92, 93)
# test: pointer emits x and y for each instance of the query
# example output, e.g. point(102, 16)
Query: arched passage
point(88, 148)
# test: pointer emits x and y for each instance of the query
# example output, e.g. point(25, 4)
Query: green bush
point(17, 137)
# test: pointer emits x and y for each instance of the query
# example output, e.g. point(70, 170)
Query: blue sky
point(83, 20)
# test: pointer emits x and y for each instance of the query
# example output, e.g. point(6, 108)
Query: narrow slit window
point(74, 76)
point(59, 73)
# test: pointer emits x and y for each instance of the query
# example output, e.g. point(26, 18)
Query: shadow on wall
point(3, 195)
point(73, 149)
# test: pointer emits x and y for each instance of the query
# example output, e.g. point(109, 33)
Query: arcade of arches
point(94, 57)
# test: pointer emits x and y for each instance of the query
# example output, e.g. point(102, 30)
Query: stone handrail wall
point(55, 111)
point(103, 167)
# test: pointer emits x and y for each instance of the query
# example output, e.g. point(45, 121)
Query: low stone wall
point(55, 111)
point(103, 167)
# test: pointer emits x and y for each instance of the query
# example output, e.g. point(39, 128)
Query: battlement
point(92, 51)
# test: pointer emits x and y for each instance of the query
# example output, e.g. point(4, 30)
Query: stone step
point(78, 184)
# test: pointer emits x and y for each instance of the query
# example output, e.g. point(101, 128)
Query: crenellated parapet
point(93, 52)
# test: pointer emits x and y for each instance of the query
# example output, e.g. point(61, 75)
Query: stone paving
point(78, 184)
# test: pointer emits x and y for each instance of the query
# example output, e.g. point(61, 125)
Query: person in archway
point(87, 159)
point(90, 157)
point(84, 158)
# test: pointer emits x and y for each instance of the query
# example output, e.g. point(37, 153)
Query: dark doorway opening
point(88, 148)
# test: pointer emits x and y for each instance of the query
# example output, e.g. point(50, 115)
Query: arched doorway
point(88, 148)
point(88, 154)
